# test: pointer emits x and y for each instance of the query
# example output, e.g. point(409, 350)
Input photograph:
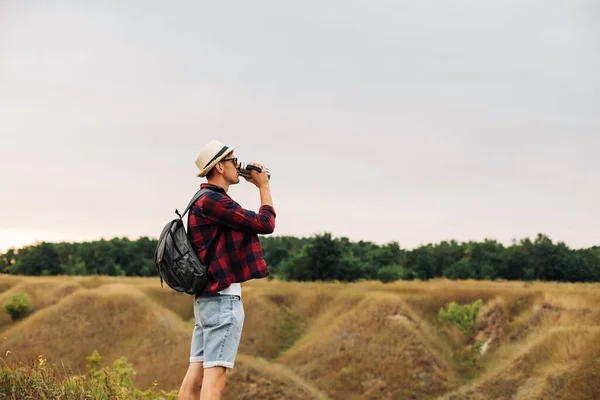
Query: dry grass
point(534, 368)
point(112, 319)
point(375, 349)
point(256, 378)
point(43, 292)
point(327, 340)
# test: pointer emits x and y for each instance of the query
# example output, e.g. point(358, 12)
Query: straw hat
point(210, 155)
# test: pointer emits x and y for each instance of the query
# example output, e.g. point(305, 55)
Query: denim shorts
point(218, 329)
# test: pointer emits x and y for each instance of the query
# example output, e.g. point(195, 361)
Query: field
point(363, 340)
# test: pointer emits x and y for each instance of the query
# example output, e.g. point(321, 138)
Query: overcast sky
point(414, 121)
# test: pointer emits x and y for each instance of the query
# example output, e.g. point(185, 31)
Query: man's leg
point(213, 383)
point(223, 319)
point(192, 382)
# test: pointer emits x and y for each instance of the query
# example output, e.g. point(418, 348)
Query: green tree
point(443, 256)
point(350, 269)
point(388, 254)
point(295, 267)
point(462, 269)
point(7, 260)
point(321, 260)
point(580, 266)
point(390, 273)
point(276, 249)
point(323, 257)
point(41, 259)
point(74, 266)
point(551, 260)
point(421, 262)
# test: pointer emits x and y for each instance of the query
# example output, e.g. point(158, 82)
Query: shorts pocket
point(209, 311)
point(238, 312)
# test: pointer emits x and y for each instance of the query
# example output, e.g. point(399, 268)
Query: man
point(225, 236)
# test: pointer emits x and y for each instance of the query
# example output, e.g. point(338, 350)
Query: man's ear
point(219, 167)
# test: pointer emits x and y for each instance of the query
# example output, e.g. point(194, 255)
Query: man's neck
point(220, 183)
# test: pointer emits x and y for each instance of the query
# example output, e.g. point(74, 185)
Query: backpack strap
point(194, 199)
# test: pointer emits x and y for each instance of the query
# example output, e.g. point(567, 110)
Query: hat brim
point(215, 161)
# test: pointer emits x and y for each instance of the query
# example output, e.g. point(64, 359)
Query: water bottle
point(245, 167)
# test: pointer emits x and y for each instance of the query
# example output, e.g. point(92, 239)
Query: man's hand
point(259, 179)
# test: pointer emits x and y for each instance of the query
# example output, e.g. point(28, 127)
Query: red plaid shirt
point(237, 255)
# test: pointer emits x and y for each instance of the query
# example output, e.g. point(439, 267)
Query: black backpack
point(176, 259)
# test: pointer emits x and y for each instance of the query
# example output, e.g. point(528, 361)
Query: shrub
point(18, 306)
point(93, 364)
point(463, 317)
point(41, 381)
point(391, 273)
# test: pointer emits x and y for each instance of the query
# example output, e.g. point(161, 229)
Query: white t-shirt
point(234, 289)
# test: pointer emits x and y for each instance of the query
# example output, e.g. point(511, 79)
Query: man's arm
point(222, 210)
point(261, 181)
point(265, 195)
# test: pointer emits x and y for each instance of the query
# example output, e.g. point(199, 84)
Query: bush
point(463, 317)
point(18, 306)
point(393, 273)
point(41, 381)
point(389, 274)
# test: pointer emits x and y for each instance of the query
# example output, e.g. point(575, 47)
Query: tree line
point(323, 257)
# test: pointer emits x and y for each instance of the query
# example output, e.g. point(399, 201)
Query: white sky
point(414, 121)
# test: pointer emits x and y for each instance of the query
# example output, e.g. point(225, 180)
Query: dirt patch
point(402, 319)
point(492, 325)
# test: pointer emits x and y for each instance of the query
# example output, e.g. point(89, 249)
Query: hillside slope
point(327, 340)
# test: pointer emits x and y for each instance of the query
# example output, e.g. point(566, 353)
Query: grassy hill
point(325, 340)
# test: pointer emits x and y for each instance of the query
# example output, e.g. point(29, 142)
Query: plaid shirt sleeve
point(223, 210)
